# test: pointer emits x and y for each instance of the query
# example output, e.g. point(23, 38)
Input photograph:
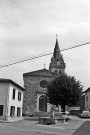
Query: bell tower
point(57, 64)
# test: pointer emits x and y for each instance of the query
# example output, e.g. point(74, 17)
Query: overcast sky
point(28, 27)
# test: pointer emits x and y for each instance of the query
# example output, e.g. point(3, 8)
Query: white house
point(87, 99)
point(11, 100)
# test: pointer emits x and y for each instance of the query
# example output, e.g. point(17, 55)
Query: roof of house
point(12, 82)
point(43, 72)
point(87, 90)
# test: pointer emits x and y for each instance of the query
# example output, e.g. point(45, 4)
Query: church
point(35, 83)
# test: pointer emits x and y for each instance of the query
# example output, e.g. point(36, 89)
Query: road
point(29, 127)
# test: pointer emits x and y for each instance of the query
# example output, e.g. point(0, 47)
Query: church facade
point(35, 83)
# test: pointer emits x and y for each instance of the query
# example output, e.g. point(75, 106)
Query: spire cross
point(44, 65)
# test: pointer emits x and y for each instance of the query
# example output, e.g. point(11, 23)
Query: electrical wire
point(40, 55)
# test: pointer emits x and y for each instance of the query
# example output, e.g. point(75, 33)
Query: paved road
point(28, 127)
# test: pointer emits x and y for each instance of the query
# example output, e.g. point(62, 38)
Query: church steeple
point(56, 49)
point(57, 63)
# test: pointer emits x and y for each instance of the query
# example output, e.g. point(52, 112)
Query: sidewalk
point(84, 129)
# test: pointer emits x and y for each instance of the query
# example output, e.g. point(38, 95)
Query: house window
point(86, 98)
point(19, 96)
point(18, 111)
point(1, 110)
point(55, 71)
point(13, 96)
point(60, 72)
point(12, 111)
point(57, 59)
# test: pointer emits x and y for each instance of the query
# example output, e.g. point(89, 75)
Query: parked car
point(85, 114)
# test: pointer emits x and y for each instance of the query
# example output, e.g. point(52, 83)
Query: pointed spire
point(57, 63)
point(56, 47)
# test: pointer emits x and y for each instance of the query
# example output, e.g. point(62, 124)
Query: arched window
point(43, 103)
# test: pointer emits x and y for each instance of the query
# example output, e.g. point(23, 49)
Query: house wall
point(82, 103)
point(87, 100)
point(3, 98)
point(14, 102)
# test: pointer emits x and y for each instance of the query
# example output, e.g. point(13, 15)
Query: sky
point(29, 27)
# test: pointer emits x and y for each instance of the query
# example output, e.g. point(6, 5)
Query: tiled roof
point(12, 82)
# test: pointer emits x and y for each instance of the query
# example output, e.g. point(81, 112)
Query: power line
point(40, 55)
point(26, 59)
point(75, 46)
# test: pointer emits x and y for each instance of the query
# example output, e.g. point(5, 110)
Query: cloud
point(43, 12)
point(29, 26)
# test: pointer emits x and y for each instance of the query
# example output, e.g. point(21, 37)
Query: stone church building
point(35, 82)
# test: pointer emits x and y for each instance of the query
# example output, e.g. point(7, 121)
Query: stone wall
point(32, 86)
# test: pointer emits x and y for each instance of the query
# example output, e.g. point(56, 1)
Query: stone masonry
point(32, 86)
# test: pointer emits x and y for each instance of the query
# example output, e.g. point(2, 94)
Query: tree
point(64, 90)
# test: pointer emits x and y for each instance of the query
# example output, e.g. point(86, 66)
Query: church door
point(43, 103)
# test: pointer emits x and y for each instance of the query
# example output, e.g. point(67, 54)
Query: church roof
point(43, 72)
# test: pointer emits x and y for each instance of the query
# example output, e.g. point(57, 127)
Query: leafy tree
point(64, 90)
